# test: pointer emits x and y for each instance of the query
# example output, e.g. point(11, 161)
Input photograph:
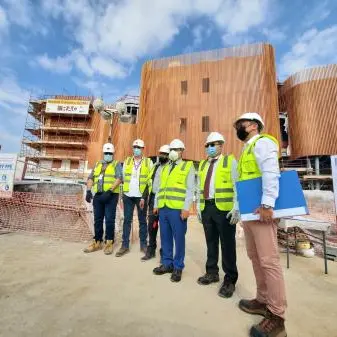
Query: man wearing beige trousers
point(259, 158)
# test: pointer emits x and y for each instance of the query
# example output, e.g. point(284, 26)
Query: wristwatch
point(266, 206)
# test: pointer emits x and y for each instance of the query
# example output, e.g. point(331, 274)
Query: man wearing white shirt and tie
point(219, 213)
point(259, 158)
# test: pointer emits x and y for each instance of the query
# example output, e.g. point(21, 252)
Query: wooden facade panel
point(123, 135)
point(97, 138)
point(310, 98)
point(243, 80)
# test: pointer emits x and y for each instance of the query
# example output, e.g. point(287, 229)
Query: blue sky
point(98, 46)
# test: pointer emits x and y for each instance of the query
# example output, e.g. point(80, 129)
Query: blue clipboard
point(291, 200)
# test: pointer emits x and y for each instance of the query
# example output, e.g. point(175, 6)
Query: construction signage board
point(334, 177)
point(7, 173)
point(62, 106)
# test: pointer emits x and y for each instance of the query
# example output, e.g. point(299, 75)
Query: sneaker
point(122, 251)
point(161, 270)
point(270, 326)
point(148, 256)
point(253, 307)
point(93, 247)
point(108, 248)
point(227, 289)
point(176, 275)
point(208, 279)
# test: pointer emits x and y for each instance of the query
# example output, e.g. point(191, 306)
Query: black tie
point(173, 166)
point(208, 178)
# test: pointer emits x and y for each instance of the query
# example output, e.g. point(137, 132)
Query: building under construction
point(64, 135)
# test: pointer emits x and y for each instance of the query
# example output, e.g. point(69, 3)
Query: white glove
point(234, 216)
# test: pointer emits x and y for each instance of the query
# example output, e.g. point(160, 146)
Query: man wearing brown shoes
point(259, 159)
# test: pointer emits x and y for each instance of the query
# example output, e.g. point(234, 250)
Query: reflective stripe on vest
point(248, 167)
point(173, 186)
point(144, 177)
point(224, 192)
point(109, 176)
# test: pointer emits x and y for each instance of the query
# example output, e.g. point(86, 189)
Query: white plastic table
point(306, 223)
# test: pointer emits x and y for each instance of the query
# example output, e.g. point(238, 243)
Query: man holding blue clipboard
point(259, 158)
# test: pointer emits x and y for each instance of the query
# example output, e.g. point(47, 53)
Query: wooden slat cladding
point(123, 135)
point(310, 97)
point(220, 84)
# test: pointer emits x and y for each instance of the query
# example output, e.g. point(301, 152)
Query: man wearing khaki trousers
point(259, 158)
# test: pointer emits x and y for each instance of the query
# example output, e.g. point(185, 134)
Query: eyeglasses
point(107, 153)
point(163, 153)
point(137, 147)
point(176, 150)
point(211, 144)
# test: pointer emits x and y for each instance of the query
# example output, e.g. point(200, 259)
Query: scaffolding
point(55, 145)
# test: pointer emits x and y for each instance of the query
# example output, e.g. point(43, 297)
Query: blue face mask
point(108, 157)
point(137, 152)
point(211, 151)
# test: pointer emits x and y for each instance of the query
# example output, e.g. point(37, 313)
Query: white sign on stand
point(7, 173)
point(334, 177)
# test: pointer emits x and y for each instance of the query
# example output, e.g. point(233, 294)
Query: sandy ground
point(51, 288)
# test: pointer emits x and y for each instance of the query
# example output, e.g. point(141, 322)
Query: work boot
point(253, 307)
point(108, 248)
point(176, 275)
point(122, 251)
point(208, 279)
point(270, 326)
point(93, 247)
point(148, 256)
point(161, 270)
point(227, 289)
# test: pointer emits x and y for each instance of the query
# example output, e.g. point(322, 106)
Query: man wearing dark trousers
point(219, 213)
point(136, 179)
point(104, 179)
point(153, 220)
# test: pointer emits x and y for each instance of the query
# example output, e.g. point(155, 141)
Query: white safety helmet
point(215, 137)
point(177, 144)
point(138, 142)
point(251, 116)
point(164, 149)
point(108, 148)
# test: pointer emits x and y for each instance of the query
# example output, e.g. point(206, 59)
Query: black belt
point(210, 201)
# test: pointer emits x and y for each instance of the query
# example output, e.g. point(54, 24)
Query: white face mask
point(173, 155)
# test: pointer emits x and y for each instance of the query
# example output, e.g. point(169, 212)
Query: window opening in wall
point(74, 165)
point(205, 124)
point(205, 84)
point(56, 164)
point(183, 87)
point(183, 124)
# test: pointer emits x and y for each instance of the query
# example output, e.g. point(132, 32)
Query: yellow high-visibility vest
point(144, 177)
point(109, 176)
point(248, 167)
point(224, 192)
point(173, 186)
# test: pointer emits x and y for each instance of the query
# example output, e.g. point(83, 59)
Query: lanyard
point(136, 166)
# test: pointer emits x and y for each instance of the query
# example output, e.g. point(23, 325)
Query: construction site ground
point(50, 288)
